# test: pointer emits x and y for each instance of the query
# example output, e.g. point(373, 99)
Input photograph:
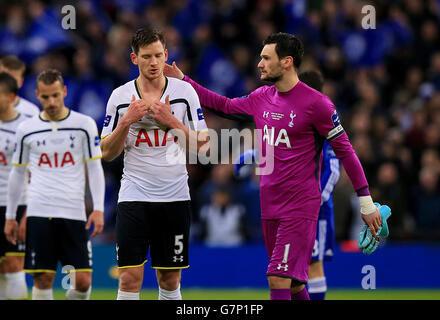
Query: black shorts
point(49, 240)
point(162, 227)
point(7, 248)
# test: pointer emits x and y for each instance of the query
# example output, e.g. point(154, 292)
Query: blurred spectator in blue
point(388, 189)
point(426, 203)
point(248, 194)
point(222, 222)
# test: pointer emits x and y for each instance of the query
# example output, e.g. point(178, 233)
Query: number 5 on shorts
point(179, 244)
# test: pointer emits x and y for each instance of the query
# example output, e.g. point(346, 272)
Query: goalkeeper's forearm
point(16, 186)
point(96, 178)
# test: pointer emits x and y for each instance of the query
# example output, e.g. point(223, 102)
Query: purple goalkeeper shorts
point(289, 244)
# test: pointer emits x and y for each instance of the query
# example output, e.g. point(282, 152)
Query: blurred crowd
point(385, 83)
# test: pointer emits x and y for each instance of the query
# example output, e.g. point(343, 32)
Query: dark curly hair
point(287, 45)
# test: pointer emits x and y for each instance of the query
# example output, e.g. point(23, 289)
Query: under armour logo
point(265, 114)
point(179, 258)
point(33, 254)
point(292, 116)
point(41, 143)
point(280, 266)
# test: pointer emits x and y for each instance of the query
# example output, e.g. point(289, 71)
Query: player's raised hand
point(97, 218)
point(11, 230)
point(373, 220)
point(161, 112)
point(173, 71)
point(136, 110)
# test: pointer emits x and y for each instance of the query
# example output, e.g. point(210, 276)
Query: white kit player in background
point(16, 68)
point(57, 146)
point(12, 278)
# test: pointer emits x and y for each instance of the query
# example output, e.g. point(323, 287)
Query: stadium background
point(384, 82)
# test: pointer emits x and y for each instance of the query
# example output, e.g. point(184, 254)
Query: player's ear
point(12, 96)
point(166, 55)
point(65, 91)
point(133, 58)
point(288, 62)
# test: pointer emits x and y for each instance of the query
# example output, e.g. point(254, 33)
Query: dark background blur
point(385, 83)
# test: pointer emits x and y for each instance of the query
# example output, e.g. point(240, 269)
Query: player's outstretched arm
point(113, 145)
point(210, 99)
point(16, 184)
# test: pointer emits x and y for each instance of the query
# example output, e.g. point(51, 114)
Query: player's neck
point(289, 81)
point(8, 114)
point(57, 117)
point(154, 86)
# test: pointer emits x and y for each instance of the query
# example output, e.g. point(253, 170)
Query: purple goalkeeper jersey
point(294, 125)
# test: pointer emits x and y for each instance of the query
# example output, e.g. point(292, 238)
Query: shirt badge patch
point(107, 120)
point(335, 119)
point(200, 114)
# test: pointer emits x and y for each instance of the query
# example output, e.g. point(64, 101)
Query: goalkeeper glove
point(367, 243)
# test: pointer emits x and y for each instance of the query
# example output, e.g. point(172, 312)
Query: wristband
point(367, 205)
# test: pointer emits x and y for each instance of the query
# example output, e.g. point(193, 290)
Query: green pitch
point(253, 294)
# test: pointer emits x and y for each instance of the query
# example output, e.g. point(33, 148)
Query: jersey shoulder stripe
point(48, 130)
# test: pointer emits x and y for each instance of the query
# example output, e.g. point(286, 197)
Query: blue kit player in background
point(325, 235)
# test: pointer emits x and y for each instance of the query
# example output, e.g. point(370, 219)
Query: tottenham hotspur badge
point(292, 116)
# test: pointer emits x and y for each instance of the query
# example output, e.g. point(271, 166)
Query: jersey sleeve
point(218, 102)
point(91, 148)
point(326, 119)
point(109, 120)
point(194, 118)
point(328, 124)
point(21, 151)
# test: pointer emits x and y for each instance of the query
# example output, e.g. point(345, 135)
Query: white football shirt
point(8, 130)
point(26, 107)
point(154, 164)
point(55, 153)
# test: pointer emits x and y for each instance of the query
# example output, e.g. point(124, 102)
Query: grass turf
point(263, 294)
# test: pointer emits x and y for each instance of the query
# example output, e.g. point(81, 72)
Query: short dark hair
point(287, 45)
point(313, 79)
point(8, 83)
point(50, 76)
point(13, 63)
point(145, 36)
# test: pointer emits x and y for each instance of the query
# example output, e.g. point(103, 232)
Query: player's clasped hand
point(368, 242)
point(97, 218)
point(161, 112)
point(136, 110)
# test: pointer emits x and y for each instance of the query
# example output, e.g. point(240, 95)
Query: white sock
point(317, 285)
point(42, 294)
point(17, 287)
point(73, 294)
point(123, 295)
point(3, 286)
point(170, 295)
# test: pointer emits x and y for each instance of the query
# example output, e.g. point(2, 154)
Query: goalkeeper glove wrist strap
point(367, 205)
